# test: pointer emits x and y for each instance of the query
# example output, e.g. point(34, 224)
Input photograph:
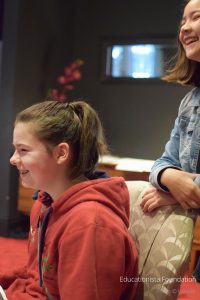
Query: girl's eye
point(196, 17)
point(23, 150)
point(182, 23)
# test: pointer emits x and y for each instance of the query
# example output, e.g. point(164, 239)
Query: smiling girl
point(176, 175)
point(79, 244)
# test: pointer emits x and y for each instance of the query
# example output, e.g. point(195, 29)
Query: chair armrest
point(163, 239)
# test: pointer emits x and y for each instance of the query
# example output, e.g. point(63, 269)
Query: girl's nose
point(14, 159)
point(185, 27)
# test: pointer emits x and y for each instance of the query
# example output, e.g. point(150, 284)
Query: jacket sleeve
point(170, 157)
point(91, 262)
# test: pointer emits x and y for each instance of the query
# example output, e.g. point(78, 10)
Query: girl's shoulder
point(191, 99)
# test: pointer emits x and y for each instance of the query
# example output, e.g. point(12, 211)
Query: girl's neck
point(61, 187)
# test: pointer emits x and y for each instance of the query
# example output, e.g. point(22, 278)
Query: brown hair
point(75, 123)
point(184, 71)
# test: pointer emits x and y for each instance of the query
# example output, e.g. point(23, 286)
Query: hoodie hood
point(111, 192)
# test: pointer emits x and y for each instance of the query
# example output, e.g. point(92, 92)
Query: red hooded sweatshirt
point(85, 249)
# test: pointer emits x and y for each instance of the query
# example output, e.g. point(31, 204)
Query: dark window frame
point(106, 54)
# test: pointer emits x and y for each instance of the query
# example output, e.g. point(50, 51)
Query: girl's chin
point(193, 56)
point(27, 185)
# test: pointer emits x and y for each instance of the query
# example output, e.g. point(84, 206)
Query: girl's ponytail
point(92, 142)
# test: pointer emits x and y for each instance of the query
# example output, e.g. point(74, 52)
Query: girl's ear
point(61, 153)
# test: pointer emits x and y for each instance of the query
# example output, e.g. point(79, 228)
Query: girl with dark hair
point(79, 243)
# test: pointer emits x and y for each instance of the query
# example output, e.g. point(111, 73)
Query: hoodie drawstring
point(41, 238)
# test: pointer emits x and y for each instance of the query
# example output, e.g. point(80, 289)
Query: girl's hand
point(182, 187)
point(154, 198)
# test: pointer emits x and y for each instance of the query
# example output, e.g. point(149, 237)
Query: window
point(137, 60)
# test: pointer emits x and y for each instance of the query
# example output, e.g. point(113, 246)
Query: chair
point(163, 239)
point(195, 251)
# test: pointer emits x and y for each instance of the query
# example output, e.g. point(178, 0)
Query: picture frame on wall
point(136, 59)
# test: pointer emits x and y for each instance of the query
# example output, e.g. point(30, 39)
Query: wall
point(43, 47)
point(35, 44)
point(137, 116)
point(41, 37)
point(8, 186)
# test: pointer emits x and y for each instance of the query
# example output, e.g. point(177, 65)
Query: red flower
point(77, 75)
point(56, 95)
point(61, 79)
point(69, 87)
point(71, 73)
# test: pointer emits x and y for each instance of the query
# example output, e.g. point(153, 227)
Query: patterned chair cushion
point(163, 239)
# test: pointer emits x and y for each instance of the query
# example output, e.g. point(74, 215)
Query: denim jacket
point(182, 150)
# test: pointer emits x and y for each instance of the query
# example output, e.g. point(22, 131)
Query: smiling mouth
point(190, 41)
point(23, 172)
